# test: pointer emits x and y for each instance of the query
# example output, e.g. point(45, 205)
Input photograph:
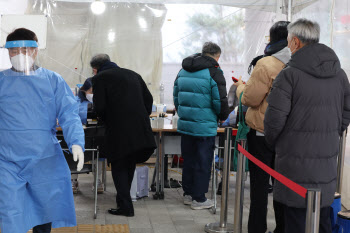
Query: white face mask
point(290, 51)
point(22, 62)
point(89, 97)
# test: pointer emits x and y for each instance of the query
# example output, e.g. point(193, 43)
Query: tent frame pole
point(290, 6)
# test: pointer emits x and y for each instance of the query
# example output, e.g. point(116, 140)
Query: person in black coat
point(308, 109)
point(123, 102)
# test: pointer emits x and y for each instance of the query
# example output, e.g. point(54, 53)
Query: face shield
point(23, 54)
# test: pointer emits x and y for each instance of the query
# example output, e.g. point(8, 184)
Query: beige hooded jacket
point(256, 90)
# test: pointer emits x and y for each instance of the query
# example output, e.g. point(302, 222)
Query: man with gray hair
point(98, 61)
point(200, 99)
point(308, 108)
point(123, 102)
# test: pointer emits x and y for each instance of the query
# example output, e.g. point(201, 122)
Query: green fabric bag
point(242, 132)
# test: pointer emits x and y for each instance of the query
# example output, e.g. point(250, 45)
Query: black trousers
point(45, 228)
point(295, 220)
point(198, 155)
point(259, 184)
point(123, 174)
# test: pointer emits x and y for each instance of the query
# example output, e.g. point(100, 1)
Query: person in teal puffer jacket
point(200, 99)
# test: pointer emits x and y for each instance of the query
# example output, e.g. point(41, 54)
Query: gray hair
point(308, 32)
point(98, 60)
point(210, 48)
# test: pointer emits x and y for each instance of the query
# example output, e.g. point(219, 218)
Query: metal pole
point(213, 186)
point(157, 167)
point(238, 214)
point(223, 226)
point(104, 174)
point(226, 178)
point(162, 164)
point(96, 182)
point(341, 157)
point(313, 211)
point(290, 6)
point(279, 11)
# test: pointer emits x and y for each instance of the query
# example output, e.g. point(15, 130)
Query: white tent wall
point(334, 19)
point(67, 36)
point(241, 34)
point(340, 41)
point(129, 33)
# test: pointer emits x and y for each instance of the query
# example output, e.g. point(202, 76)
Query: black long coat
point(309, 107)
point(123, 102)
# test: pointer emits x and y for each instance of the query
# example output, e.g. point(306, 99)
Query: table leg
point(104, 174)
point(161, 156)
point(158, 166)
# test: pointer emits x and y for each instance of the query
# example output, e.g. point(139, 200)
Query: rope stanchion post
point(238, 214)
point(313, 195)
point(313, 211)
point(214, 183)
point(336, 205)
point(226, 178)
point(341, 158)
point(223, 226)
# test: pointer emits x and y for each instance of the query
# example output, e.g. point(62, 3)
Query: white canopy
point(265, 5)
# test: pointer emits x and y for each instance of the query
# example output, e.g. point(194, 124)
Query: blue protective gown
point(35, 186)
point(83, 108)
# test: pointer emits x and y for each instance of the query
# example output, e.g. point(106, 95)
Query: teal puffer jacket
point(200, 96)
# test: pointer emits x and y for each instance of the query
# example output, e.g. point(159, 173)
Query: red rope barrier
point(284, 180)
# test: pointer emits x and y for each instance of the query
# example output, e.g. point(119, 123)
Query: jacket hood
point(198, 62)
point(317, 60)
point(283, 55)
point(107, 65)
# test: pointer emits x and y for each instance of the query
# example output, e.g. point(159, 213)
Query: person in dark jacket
point(308, 108)
point(123, 102)
point(200, 99)
point(255, 92)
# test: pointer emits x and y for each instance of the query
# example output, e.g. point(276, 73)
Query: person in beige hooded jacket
point(255, 92)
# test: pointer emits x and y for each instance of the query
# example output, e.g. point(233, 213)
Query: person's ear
point(297, 43)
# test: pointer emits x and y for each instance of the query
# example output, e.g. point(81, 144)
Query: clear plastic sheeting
point(129, 33)
point(4, 59)
point(263, 5)
point(334, 19)
point(241, 34)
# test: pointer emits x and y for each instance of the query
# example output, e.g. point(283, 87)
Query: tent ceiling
point(265, 5)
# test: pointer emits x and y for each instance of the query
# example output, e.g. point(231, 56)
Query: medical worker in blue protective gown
point(35, 186)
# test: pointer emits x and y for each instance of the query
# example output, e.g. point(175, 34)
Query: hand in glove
point(78, 154)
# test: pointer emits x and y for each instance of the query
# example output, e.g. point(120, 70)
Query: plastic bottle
point(161, 93)
point(175, 119)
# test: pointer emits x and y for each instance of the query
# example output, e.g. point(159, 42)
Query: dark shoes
point(121, 212)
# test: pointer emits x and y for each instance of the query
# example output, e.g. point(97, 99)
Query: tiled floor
point(156, 216)
point(89, 228)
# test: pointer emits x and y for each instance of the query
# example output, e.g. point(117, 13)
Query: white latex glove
point(78, 154)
